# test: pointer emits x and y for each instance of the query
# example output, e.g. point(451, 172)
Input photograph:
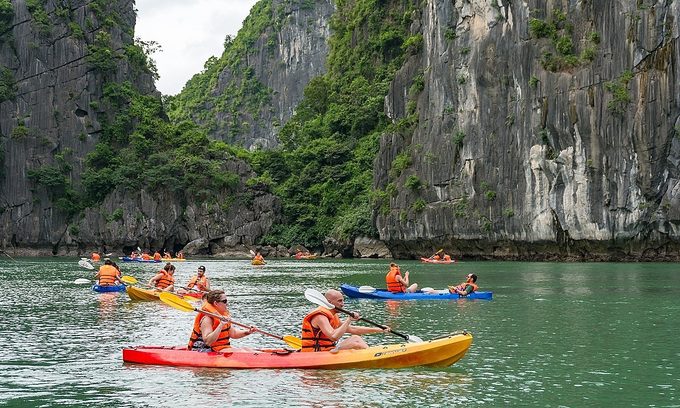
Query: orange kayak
point(437, 261)
point(441, 352)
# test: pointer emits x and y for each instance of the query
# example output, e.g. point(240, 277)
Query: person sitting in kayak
point(397, 283)
point(466, 287)
point(166, 254)
point(108, 274)
point(210, 333)
point(321, 328)
point(200, 281)
point(156, 256)
point(164, 279)
point(95, 257)
point(258, 257)
point(180, 255)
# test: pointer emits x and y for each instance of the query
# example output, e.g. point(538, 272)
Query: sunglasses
point(222, 301)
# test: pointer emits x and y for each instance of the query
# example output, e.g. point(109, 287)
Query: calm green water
point(556, 334)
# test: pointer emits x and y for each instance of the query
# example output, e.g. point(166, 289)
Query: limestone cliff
point(545, 130)
point(252, 90)
point(58, 62)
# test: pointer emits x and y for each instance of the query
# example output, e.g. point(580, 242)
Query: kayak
point(306, 257)
point(257, 262)
point(128, 259)
point(354, 292)
point(173, 259)
point(136, 293)
point(437, 261)
point(440, 352)
point(108, 288)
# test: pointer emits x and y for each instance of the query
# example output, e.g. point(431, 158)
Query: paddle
point(181, 304)
point(85, 263)
point(317, 297)
point(81, 281)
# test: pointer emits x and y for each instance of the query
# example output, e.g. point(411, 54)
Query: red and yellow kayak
point(441, 352)
point(136, 293)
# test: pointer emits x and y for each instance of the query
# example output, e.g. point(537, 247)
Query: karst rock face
point(530, 130)
point(51, 114)
point(545, 129)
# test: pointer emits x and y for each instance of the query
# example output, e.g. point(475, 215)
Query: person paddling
point(466, 287)
point(164, 280)
point(210, 333)
point(199, 281)
point(321, 328)
point(397, 283)
point(108, 274)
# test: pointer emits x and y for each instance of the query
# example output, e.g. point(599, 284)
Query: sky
point(189, 32)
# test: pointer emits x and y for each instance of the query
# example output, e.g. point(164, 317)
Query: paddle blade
point(128, 279)
point(317, 297)
point(366, 289)
point(414, 339)
point(85, 264)
point(176, 302)
point(293, 342)
point(81, 281)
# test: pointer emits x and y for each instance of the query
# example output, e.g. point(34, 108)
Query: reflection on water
point(555, 334)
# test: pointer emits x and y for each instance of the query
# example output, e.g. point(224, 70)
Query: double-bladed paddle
point(317, 297)
point(181, 304)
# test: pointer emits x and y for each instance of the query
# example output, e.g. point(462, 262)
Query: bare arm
point(325, 326)
point(209, 335)
point(366, 330)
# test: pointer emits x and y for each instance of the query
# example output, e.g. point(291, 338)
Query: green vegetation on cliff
point(323, 171)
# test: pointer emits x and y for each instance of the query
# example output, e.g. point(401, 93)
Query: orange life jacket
point(95, 257)
point(464, 285)
point(201, 283)
point(107, 275)
point(156, 256)
point(391, 279)
point(165, 280)
point(447, 257)
point(146, 257)
point(313, 339)
point(222, 341)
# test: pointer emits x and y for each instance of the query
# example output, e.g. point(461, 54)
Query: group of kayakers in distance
point(396, 283)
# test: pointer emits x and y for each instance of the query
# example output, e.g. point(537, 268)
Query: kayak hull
point(257, 262)
point(136, 293)
point(108, 288)
point(128, 259)
point(440, 352)
point(435, 261)
point(383, 294)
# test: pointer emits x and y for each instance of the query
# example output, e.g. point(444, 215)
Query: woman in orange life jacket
point(321, 329)
point(164, 279)
point(397, 283)
point(108, 274)
point(200, 281)
point(95, 257)
point(210, 333)
point(466, 287)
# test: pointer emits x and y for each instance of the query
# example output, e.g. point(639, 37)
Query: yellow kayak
point(257, 262)
point(136, 293)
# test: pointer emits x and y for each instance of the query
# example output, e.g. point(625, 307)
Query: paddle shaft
point(402, 335)
point(237, 323)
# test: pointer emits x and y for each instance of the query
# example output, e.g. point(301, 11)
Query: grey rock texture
point(365, 247)
point(287, 55)
point(517, 161)
point(56, 112)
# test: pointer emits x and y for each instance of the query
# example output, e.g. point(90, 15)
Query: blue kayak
point(128, 259)
point(109, 288)
point(366, 292)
